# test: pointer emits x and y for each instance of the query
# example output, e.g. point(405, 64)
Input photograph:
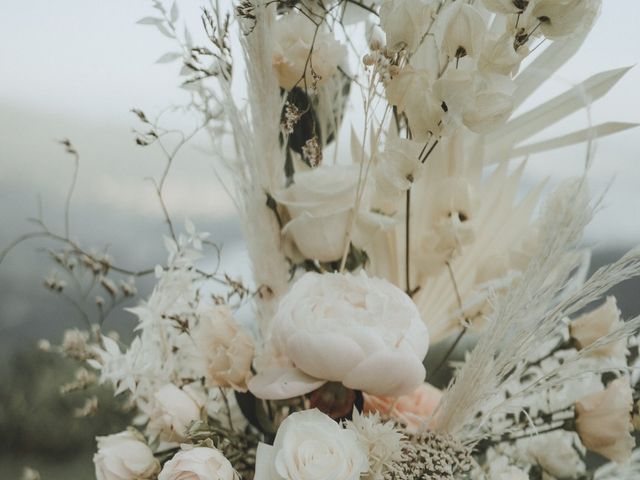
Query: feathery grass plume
point(259, 168)
point(520, 322)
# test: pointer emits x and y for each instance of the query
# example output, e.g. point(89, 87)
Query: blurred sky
point(74, 68)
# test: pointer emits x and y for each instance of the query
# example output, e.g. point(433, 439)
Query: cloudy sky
point(74, 68)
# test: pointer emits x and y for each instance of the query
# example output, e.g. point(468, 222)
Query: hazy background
point(74, 68)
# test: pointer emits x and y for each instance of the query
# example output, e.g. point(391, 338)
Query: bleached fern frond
point(259, 167)
point(520, 322)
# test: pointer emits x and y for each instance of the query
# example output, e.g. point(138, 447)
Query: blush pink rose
point(412, 409)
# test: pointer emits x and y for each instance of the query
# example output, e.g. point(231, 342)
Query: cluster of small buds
point(65, 260)
point(383, 61)
point(109, 285)
point(54, 284)
point(83, 379)
point(97, 262)
point(312, 152)
point(75, 345)
point(292, 115)
point(89, 408)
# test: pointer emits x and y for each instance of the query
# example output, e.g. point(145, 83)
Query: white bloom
point(320, 203)
point(509, 473)
point(412, 92)
point(309, 446)
point(293, 38)
point(383, 442)
point(506, 6)
point(603, 421)
point(397, 168)
point(363, 332)
point(173, 409)
point(124, 456)
point(559, 18)
point(461, 30)
point(225, 349)
point(405, 22)
point(498, 55)
point(199, 463)
point(590, 327)
point(556, 454)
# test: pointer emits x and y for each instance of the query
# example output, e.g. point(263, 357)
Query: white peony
point(363, 332)
point(320, 203)
point(590, 327)
point(199, 463)
point(559, 18)
point(293, 37)
point(556, 454)
point(405, 22)
point(225, 348)
point(311, 446)
point(173, 410)
point(603, 421)
point(124, 456)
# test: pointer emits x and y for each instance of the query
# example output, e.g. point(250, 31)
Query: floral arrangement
point(374, 157)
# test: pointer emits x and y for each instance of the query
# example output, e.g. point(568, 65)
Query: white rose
point(603, 421)
point(173, 409)
point(590, 327)
point(559, 18)
point(310, 446)
point(460, 30)
point(363, 332)
point(405, 22)
point(320, 203)
point(293, 37)
point(225, 349)
point(199, 463)
point(124, 456)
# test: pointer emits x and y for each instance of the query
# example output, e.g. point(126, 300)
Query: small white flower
point(363, 332)
point(411, 91)
point(559, 18)
point(603, 421)
point(405, 22)
point(498, 55)
point(173, 410)
point(461, 30)
point(124, 456)
point(225, 349)
point(309, 445)
point(590, 327)
point(293, 40)
point(506, 6)
point(397, 168)
point(199, 463)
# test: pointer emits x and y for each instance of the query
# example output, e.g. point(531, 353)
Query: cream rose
point(603, 421)
point(590, 327)
point(363, 332)
point(293, 37)
point(405, 22)
point(310, 446)
point(225, 348)
point(173, 409)
point(124, 456)
point(320, 203)
point(199, 463)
